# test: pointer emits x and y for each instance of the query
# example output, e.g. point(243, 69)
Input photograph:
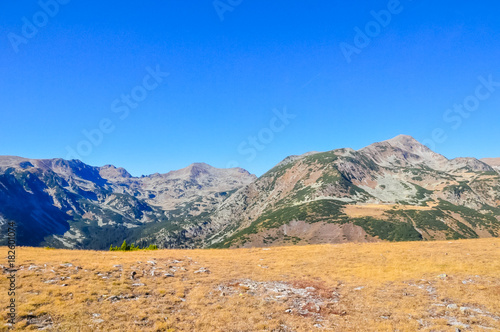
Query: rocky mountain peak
point(111, 172)
point(404, 150)
point(406, 141)
point(196, 169)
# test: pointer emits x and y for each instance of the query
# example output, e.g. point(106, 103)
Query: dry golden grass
point(378, 210)
point(347, 287)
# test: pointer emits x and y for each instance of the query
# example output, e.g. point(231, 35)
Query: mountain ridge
point(397, 189)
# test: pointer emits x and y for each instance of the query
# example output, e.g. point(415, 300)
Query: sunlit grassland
point(378, 286)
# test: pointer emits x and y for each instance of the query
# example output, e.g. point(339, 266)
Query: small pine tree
point(111, 248)
point(124, 246)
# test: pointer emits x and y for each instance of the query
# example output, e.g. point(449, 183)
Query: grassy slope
point(363, 287)
point(397, 225)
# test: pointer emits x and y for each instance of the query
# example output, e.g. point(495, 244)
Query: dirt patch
point(301, 232)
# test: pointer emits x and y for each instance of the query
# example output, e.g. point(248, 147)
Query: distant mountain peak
point(403, 139)
point(197, 169)
point(494, 162)
point(406, 150)
point(110, 171)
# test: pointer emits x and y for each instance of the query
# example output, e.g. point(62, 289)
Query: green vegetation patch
point(132, 247)
point(322, 210)
point(322, 158)
point(388, 230)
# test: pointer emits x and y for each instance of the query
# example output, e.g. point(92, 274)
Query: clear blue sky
point(227, 76)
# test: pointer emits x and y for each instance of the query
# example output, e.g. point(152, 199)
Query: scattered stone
point(40, 322)
point(452, 306)
point(359, 288)
point(98, 321)
point(202, 270)
point(138, 285)
point(442, 276)
point(51, 281)
point(152, 262)
point(168, 275)
point(132, 275)
point(454, 322)
point(67, 265)
point(299, 300)
point(116, 298)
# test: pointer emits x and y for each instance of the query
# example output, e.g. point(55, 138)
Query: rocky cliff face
point(393, 190)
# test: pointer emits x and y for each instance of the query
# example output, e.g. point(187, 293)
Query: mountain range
point(395, 190)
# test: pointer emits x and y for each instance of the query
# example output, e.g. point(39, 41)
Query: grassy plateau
point(404, 286)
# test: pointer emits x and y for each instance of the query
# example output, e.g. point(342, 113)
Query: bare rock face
point(112, 173)
point(404, 151)
point(493, 162)
point(469, 164)
point(199, 183)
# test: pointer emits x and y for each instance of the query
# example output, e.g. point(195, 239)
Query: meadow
point(404, 286)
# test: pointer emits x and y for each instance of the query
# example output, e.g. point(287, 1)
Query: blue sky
point(69, 67)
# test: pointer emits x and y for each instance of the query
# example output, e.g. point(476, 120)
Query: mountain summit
point(404, 150)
